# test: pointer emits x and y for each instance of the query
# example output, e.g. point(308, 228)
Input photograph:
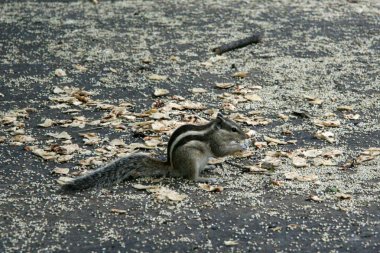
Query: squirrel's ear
point(219, 120)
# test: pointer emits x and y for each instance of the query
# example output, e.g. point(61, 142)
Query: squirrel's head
point(228, 129)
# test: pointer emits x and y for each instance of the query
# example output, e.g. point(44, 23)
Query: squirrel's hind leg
point(190, 166)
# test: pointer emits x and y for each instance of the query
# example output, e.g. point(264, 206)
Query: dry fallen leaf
point(190, 105)
point(363, 158)
point(320, 161)
point(283, 117)
point(260, 144)
point(47, 155)
point(315, 198)
point(293, 226)
point(253, 97)
point(274, 140)
point(299, 162)
point(63, 158)
point(7, 120)
point(312, 153)
point(231, 243)
point(161, 126)
point(47, 123)
point(332, 153)
point(118, 143)
point(244, 153)
point(342, 196)
point(313, 100)
point(277, 183)
point(240, 74)
point(327, 123)
point(351, 116)
point(159, 115)
point(211, 188)
point(91, 161)
point(64, 180)
point(307, 178)
point(145, 187)
point(328, 136)
point(161, 193)
point(62, 171)
point(345, 108)
point(65, 149)
point(160, 92)
point(62, 135)
point(23, 139)
point(80, 68)
point(59, 73)
point(118, 211)
point(270, 163)
point(156, 77)
point(277, 229)
point(198, 90)
point(373, 151)
point(255, 169)
point(153, 142)
point(213, 160)
point(90, 138)
point(293, 175)
point(224, 85)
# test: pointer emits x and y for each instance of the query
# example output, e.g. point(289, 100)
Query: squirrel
point(188, 151)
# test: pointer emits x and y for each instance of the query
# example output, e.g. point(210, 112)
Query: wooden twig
point(255, 38)
point(89, 129)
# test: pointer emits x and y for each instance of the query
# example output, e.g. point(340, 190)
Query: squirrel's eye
point(234, 129)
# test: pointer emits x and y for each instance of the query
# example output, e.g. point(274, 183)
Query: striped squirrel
point(189, 149)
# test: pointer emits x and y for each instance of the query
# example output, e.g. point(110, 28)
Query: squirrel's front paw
point(245, 144)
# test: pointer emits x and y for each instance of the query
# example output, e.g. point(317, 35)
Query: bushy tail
point(133, 166)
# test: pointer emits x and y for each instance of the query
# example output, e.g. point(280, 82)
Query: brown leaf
point(224, 85)
point(315, 198)
point(118, 211)
point(62, 171)
point(160, 92)
point(211, 188)
point(59, 73)
point(343, 196)
point(283, 117)
point(345, 108)
point(253, 97)
point(161, 193)
point(64, 180)
point(328, 136)
point(299, 162)
point(274, 140)
point(327, 123)
point(270, 163)
point(231, 243)
point(62, 135)
point(23, 138)
point(90, 138)
point(240, 74)
point(312, 153)
point(255, 169)
point(198, 90)
point(313, 100)
point(47, 123)
point(156, 77)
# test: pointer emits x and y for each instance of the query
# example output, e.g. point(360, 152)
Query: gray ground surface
point(322, 49)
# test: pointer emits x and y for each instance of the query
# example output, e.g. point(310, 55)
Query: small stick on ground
point(255, 38)
point(89, 129)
